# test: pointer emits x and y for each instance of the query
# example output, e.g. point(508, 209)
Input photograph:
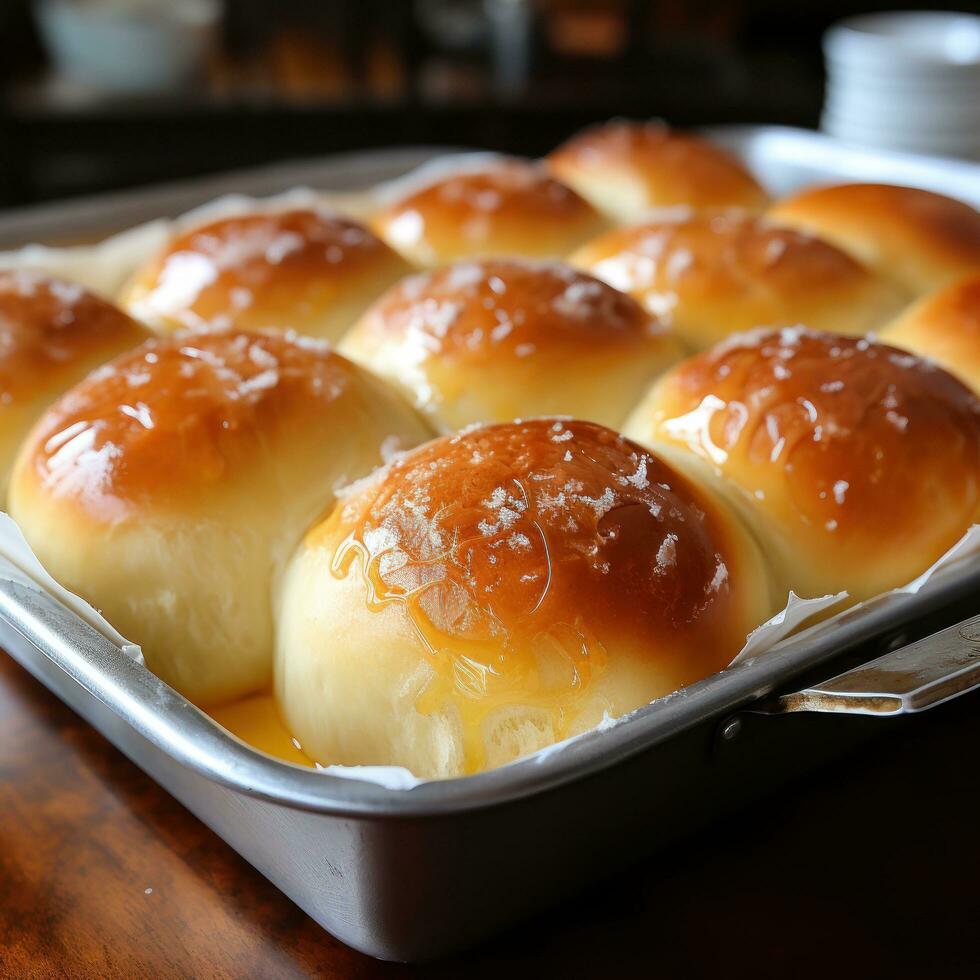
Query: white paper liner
point(103, 268)
point(107, 266)
point(18, 563)
point(432, 171)
point(229, 205)
point(390, 777)
point(796, 611)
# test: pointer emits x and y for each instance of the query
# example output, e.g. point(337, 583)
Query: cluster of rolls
point(537, 443)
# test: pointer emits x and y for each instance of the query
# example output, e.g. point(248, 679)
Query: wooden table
point(872, 869)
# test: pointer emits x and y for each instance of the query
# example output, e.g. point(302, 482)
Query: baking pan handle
point(913, 678)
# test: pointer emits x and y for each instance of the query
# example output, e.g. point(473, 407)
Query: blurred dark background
point(265, 80)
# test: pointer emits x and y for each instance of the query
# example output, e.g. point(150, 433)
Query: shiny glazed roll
point(711, 276)
point(627, 168)
point(495, 591)
point(944, 327)
point(170, 487)
point(920, 240)
point(493, 340)
point(501, 207)
point(857, 465)
point(52, 333)
point(307, 269)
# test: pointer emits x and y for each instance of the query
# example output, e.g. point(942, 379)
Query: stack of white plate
point(905, 81)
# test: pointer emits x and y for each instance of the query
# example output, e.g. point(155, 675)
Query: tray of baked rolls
point(449, 530)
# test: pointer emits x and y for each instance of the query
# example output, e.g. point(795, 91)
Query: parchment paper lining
point(106, 266)
point(19, 564)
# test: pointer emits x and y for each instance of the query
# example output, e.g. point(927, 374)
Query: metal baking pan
point(410, 875)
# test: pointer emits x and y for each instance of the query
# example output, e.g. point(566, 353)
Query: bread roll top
point(711, 276)
point(627, 168)
point(503, 207)
point(306, 269)
point(919, 240)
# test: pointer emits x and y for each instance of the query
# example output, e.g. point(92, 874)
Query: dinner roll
point(919, 240)
point(945, 327)
point(498, 207)
point(308, 270)
point(711, 276)
point(625, 168)
point(487, 341)
point(857, 465)
point(495, 591)
point(170, 487)
point(52, 333)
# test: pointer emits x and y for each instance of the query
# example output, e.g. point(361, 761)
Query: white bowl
point(912, 112)
point(952, 141)
point(128, 45)
point(907, 81)
point(961, 143)
point(924, 43)
point(870, 77)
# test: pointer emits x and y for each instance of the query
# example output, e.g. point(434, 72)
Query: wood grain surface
point(869, 870)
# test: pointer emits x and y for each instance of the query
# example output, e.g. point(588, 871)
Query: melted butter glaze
point(525, 556)
point(49, 327)
point(672, 168)
point(507, 308)
point(181, 412)
point(257, 722)
point(851, 438)
point(509, 207)
point(712, 275)
point(260, 270)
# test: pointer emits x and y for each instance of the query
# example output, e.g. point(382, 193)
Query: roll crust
point(627, 168)
point(857, 465)
point(945, 327)
point(52, 333)
point(491, 340)
point(505, 207)
point(504, 588)
point(920, 240)
point(711, 276)
point(308, 270)
point(169, 488)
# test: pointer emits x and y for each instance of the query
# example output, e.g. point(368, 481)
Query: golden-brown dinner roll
point(626, 168)
point(307, 269)
point(52, 333)
point(495, 591)
point(945, 327)
point(857, 465)
point(711, 276)
point(919, 240)
point(170, 487)
point(488, 341)
point(500, 207)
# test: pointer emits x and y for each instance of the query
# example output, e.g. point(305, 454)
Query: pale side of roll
point(945, 327)
point(493, 592)
point(920, 240)
point(170, 487)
